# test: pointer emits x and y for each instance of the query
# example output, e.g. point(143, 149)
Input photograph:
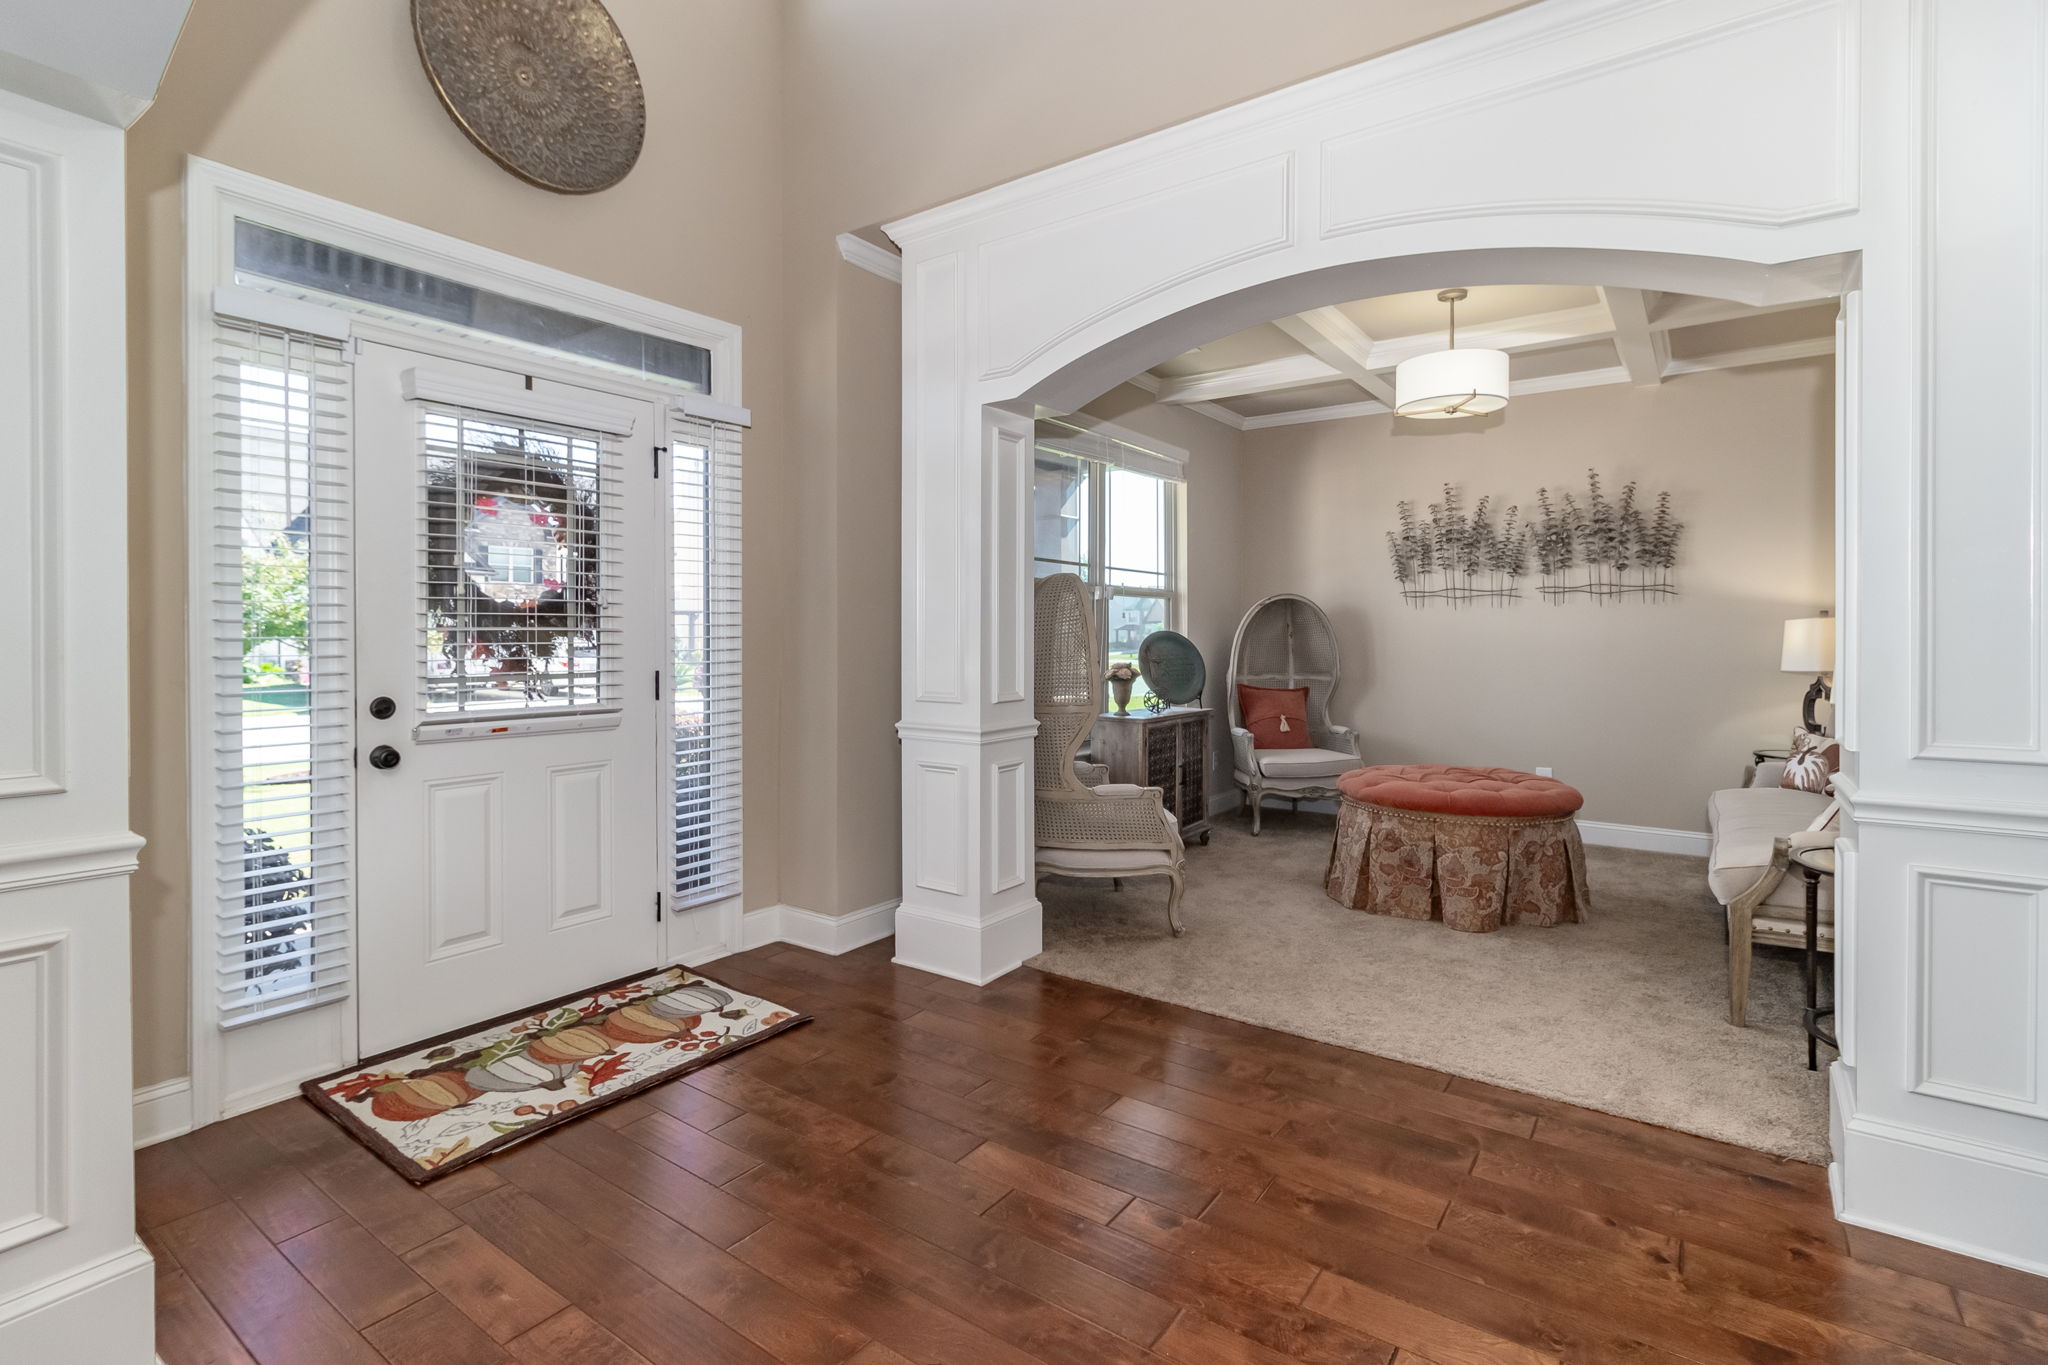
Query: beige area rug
point(1626, 1013)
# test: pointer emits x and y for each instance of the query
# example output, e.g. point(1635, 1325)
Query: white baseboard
point(163, 1111)
point(1647, 838)
point(1974, 1198)
point(761, 927)
point(837, 934)
point(833, 934)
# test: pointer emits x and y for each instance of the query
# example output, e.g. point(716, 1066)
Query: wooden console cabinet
point(1168, 750)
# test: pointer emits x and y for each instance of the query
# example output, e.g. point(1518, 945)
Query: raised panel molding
point(31, 453)
point(465, 871)
point(1009, 441)
point(34, 979)
point(579, 843)
point(1012, 796)
point(936, 519)
point(1976, 1009)
point(1982, 160)
point(1798, 113)
point(941, 807)
point(1040, 286)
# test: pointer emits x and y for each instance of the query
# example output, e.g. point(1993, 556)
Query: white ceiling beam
point(1535, 332)
point(1332, 337)
point(1574, 379)
point(1754, 355)
point(1685, 310)
point(1152, 383)
point(1287, 372)
point(1644, 353)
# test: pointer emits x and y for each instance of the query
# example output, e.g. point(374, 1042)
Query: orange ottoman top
point(1442, 790)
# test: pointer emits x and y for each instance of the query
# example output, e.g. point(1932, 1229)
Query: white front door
point(510, 629)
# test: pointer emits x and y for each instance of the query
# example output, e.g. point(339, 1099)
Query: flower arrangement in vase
point(1120, 677)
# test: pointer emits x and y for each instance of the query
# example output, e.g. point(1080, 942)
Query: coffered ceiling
point(1338, 361)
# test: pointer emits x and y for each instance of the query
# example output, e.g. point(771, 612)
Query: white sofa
point(1746, 871)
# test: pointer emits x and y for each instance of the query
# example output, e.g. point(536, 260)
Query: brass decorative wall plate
point(547, 88)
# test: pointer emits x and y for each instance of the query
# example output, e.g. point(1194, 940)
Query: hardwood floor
point(1044, 1171)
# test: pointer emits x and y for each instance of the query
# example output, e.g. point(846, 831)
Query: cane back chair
point(1112, 830)
point(1286, 641)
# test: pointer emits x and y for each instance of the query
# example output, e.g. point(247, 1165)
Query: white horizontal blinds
point(519, 568)
point(280, 608)
point(706, 688)
point(1061, 438)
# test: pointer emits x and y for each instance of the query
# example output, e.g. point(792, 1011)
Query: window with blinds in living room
point(706, 680)
point(281, 656)
point(1110, 511)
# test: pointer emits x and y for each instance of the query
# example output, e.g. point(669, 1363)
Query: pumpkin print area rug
point(435, 1106)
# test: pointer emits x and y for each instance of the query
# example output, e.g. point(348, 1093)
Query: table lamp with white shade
point(1810, 648)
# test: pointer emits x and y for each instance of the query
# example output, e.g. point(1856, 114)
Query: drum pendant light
point(1451, 382)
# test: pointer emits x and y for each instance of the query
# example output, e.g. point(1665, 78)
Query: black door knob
point(384, 756)
point(382, 708)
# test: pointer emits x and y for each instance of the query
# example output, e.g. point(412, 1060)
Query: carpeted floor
point(1626, 1013)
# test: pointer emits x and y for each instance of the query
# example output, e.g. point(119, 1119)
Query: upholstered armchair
point(1287, 641)
point(1755, 830)
point(1088, 829)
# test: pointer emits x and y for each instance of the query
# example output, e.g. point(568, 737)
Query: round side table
point(1813, 864)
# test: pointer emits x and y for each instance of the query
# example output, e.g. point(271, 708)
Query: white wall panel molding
point(74, 1283)
point(1982, 362)
point(36, 981)
point(32, 674)
point(1799, 117)
point(1041, 286)
point(23, 866)
point(1976, 1008)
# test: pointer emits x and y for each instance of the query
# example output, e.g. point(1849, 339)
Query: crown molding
point(876, 260)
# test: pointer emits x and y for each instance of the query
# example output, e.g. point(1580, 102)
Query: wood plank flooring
point(1044, 1172)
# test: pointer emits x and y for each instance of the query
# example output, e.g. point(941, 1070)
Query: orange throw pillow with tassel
point(1276, 716)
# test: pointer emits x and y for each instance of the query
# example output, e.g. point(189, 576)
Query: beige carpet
point(1626, 1013)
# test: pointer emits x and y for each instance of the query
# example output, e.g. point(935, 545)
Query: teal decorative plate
point(1172, 667)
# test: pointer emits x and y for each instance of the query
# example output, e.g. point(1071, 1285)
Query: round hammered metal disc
point(1172, 667)
point(547, 88)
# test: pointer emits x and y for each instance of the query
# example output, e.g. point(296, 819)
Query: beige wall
point(1645, 707)
point(328, 95)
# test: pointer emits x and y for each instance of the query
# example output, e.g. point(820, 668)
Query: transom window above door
point(265, 257)
point(1110, 511)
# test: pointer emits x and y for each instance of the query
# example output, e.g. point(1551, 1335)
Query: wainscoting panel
point(1977, 1004)
point(34, 982)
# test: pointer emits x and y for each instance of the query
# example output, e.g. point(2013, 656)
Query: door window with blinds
point(280, 618)
point(518, 565)
point(705, 684)
point(1110, 511)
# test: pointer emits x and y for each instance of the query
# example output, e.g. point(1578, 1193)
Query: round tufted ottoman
point(1475, 847)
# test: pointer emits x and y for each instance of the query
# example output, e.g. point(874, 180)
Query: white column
point(1941, 1094)
point(969, 910)
point(75, 1284)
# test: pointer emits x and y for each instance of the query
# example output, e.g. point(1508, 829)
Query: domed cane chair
point(1286, 641)
point(1109, 829)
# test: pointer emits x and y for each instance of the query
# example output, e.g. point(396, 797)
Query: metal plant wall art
point(1601, 548)
point(1605, 549)
point(1457, 557)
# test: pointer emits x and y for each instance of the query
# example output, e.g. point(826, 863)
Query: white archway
point(1752, 149)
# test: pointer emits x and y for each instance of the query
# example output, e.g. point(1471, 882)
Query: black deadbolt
point(383, 756)
point(383, 707)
